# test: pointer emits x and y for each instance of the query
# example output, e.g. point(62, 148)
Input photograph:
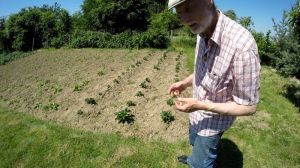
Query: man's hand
point(188, 105)
point(177, 88)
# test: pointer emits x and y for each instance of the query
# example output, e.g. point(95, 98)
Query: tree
point(231, 14)
point(246, 22)
point(115, 16)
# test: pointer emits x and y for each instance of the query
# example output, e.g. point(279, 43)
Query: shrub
point(167, 116)
point(125, 116)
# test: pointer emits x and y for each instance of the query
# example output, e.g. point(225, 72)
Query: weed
point(90, 101)
point(145, 59)
point(125, 116)
point(156, 67)
point(139, 94)
point(167, 116)
point(147, 80)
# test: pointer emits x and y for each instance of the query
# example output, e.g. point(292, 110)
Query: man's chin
point(197, 31)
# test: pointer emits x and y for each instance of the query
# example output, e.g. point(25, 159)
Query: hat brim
point(175, 4)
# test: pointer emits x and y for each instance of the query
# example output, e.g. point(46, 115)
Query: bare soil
point(63, 79)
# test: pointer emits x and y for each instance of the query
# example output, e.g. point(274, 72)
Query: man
point(225, 79)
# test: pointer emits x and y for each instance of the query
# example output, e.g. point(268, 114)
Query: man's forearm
point(189, 80)
point(230, 108)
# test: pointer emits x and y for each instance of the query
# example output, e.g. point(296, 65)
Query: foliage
point(170, 102)
point(115, 16)
point(167, 116)
point(287, 48)
point(125, 116)
point(35, 27)
point(90, 39)
point(231, 14)
point(8, 57)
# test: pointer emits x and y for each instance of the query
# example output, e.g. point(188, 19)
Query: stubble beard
point(203, 25)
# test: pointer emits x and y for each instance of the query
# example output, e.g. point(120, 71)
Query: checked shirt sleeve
point(246, 78)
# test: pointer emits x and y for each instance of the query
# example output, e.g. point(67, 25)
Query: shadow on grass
point(292, 92)
point(229, 155)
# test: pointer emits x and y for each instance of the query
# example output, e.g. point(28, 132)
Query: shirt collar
point(216, 36)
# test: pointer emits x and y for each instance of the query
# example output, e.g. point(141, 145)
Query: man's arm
point(229, 108)
point(189, 80)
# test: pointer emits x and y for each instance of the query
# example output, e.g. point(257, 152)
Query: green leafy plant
point(138, 63)
point(38, 105)
point(90, 101)
point(139, 94)
point(156, 67)
point(143, 85)
point(170, 102)
point(79, 87)
point(167, 116)
point(101, 73)
point(51, 106)
point(125, 116)
point(130, 103)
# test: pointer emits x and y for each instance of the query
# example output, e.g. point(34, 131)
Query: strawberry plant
point(139, 94)
point(143, 85)
point(170, 102)
point(90, 101)
point(124, 116)
point(167, 117)
point(130, 103)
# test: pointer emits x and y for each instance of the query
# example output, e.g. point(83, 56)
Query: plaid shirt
point(226, 69)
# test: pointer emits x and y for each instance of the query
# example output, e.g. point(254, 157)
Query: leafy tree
point(231, 14)
point(246, 22)
point(287, 47)
point(115, 16)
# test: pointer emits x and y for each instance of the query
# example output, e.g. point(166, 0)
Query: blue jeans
point(204, 151)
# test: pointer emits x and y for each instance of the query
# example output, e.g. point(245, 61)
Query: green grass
point(187, 45)
point(28, 142)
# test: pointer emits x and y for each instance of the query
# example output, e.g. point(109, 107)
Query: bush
point(90, 39)
point(5, 58)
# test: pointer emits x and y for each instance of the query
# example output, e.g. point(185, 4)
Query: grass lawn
point(270, 138)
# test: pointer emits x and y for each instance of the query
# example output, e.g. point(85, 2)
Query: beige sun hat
point(173, 3)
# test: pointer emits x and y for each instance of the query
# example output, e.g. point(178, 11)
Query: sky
point(261, 11)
